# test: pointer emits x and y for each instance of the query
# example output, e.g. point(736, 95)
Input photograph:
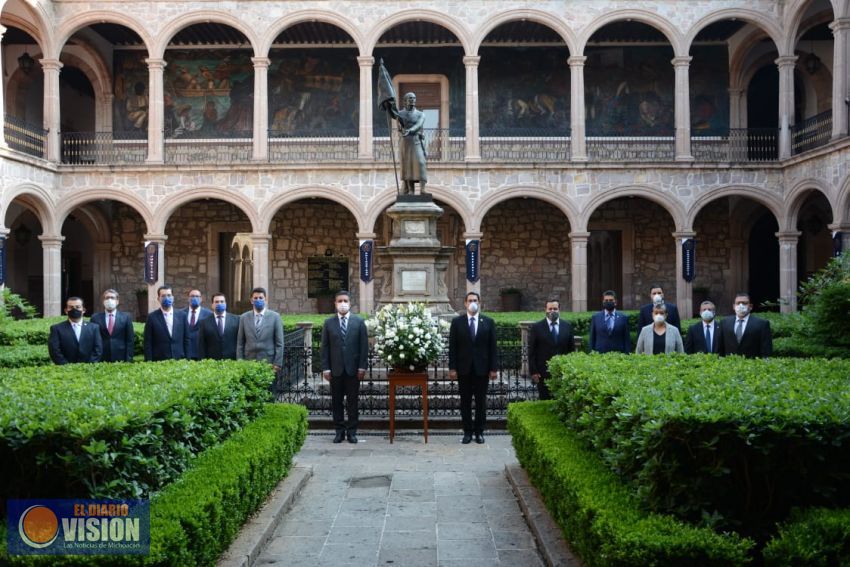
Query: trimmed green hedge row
point(817, 537)
point(600, 516)
point(731, 442)
point(37, 331)
point(195, 518)
point(118, 430)
point(24, 355)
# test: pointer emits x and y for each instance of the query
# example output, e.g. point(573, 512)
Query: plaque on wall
point(415, 227)
point(414, 280)
point(326, 274)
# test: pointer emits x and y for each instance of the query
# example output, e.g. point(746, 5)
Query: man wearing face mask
point(548, 338)
point(345, 356)
point(166, 332)
point(745, 334)
point(217, 335)
point(74, 340)
point(194, 314)
point(656, 295)
point(609, 329)
point(116, 330)
point(260, 333)
point(473, 359)
point(704, 336)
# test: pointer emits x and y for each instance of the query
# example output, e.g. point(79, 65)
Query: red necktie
point(192, 320)
point(111, 324)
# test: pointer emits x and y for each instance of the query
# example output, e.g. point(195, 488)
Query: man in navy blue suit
point(705, 335)
point(74, 340)
point(218, 334)
point(166, 332)
point(116, 330)
point(656, 295)
point(609, 330)
point(548, 338)
point(194, 314)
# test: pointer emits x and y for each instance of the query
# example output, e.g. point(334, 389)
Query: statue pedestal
point(419, 261)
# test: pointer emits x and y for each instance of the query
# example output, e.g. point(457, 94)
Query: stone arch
point(86, 18)
point(302, 16)
point(37, 27)
point(270, 209)
point(36, 199)
point(95, 71)
point(96, 224)
point(758, 19)
point(798, 195)
point(794, 19)
point(643, 16)
point(160, 43)
point(756, 194)
point(551, 21)
point(541, 193)
point(81, 198)
point(174, 201)
point(673, 208)
point(387, 198)
point(437, 18)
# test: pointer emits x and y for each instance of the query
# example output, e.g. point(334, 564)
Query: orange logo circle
point(38, 526)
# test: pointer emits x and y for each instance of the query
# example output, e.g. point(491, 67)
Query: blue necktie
point(610, 323)
point(555, 332)
point(472, 327)
point(707, 339)
point(343, 327)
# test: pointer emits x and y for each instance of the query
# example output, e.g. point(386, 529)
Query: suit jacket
point(203, 313)
point(345, 357)
point(542, 346)
point(618, 340)
point(265, 343)
point(158, 344)
point(695, 339)
point(471, 357)
point(65, 349)
point(213, 345)
point(757, 340)
point(672, 340)
point(645, 316)
point(120, 346)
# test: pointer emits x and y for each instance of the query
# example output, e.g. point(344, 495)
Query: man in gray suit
point(345, 357)
point(260, 335)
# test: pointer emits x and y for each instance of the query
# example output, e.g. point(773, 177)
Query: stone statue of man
point(410, 123)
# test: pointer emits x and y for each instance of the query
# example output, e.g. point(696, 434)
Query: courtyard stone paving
point(408, 504)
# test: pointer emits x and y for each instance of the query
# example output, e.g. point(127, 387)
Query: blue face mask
point(195, 301)
point(220, 307)
point(259, 304)
point(167, 301)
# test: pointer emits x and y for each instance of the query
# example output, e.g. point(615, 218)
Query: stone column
point(467, 236)
point(840, 80)
point(788, 270)
point(159, 239)
point(156, 111)
point(578, 268)
point(684, 289)
point(681, 66)
point(4, 233)
point(786, 66)
point(261, 108)
point(52, 262)
point(2, 102)
point(52, 110)
point(473, 144)
point(364, 143)
point(261, 260)
point(106, 120)
point(367, 290)
point(102, 268)
point(578, 147)
point(735, 118)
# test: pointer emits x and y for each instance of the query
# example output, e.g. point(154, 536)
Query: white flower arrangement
point(407, 335)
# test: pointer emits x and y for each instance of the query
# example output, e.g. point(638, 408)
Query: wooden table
point(408, 378)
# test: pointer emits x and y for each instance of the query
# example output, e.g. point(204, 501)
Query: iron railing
point(812, 132)
point(525, 145)
point(194, 148)
point(104, 148)
point(317, 147)
point(631, 148)
point(440, 146)
point(23, 136)
point(738, 145)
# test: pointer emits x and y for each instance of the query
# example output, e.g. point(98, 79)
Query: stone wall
point(714, 279)
point(128, 258)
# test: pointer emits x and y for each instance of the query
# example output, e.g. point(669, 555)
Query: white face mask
point(343, 307)
point(657, 298)
point(473, 307)
point(659, 318)
point(742, 309)
point(707, 315)
point(110, 304)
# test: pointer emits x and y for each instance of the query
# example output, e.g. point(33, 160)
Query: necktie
point(192, 320)
point(343, 326)
point(77, 328)
point(220, 325)
point(111, 324)
point(168, 322)
point(707, 338)
point(739, 329)
point(554, 331)
point(609, 320)
point(258, 320)
point(472, 327)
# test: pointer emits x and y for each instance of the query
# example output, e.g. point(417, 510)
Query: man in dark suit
point(260, 334)
point(472, 360)
point(217, 335)
point(609, 330)
point(548, 338)
point(656, 295)
point(194, 314)
point(116, 330)
point(745, 334)
point(166, 333)
point(74, 340)
point(345, 357)
point(704, 336)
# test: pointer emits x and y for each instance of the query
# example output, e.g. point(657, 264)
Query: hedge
point(600, 516)
point(817, 537)
point(118, 430)
point(195, 518)
point(728, 441)
point(37, 331)
point(24, 355)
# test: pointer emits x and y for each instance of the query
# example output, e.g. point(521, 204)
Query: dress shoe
point(479, 438)
point(340, 437)
point(352, 438)
point(467, 439)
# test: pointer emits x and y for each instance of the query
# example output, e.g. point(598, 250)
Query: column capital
point(365, 236)
point(786, 61)
point(790, 236)
point(260, 62)
point(365, 60)
point(5, 231)
point(578, 237)
point(51, 240)
point(50, 64)
point(576, 60)
point(155, 63)
point(684, 233)
point(158, 238)
point(834, 227)
point(471, 60)
point(260, 237)
point(840, 24)
point(735, 91)
point(473, 235)
point(682, 61)
point(2, 30)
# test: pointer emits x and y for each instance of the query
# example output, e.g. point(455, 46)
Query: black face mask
point(609, 305)
point(75, 313)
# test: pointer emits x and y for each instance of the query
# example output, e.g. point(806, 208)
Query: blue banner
point(2, 259)
point(837, 245)
point(79, 527)
point(688, 259)
point(151, 262)
point(366, 253)
point(473, 260)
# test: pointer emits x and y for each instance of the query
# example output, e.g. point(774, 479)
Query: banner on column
point(366, 248)
point(473, 260)
point(2, 259)
point(151, 262)
point(837, 246)
point(688, 259)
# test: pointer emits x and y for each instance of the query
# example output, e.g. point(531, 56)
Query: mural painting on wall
point(130, 92)
point(709, 80)
point(313, 92)
point(524, 90)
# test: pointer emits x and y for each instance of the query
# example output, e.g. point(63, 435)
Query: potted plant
point(511, 298)
point(407, 337)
